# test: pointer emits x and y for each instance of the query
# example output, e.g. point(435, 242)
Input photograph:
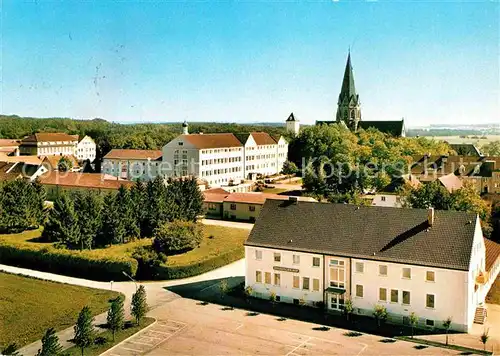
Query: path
point(157, 295)
point(226, 223)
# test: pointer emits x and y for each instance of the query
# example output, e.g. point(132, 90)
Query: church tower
point(349, 110)
point(292, 124)
point(185, 128)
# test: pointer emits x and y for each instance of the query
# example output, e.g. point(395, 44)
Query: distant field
point(469, 139)
point(29, 306)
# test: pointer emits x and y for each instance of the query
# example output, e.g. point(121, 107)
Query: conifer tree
point(139, 304)
point(126, 211)
point(88, 207)
point(156, 205)
point(50, 344)
point(113, 229)
point(139, 203)
point(62, 225)
point(116, 315)
point(84, 330)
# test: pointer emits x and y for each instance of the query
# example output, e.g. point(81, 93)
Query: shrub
point(380, 314)
point(70, 263)
point(177, 237)
point(148, 261)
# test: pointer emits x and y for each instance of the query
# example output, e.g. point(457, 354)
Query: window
point(337, 274)
point(382, 294)
point(251, 207)
point(360, 267)
point(296, 282)
point(429, 276)
point(394, 295)
point(305, 283)
point(383, 198)
point(233, 206)
point(359, 290)
point(267, 277)
point(429, 322)
point(406, 297)
point(429, 301)
point(382, 270)
point(316, 261)
point(296, 259)
point(258, 254)
point(277, 257)
point(258, 276)
point(407, 273)
point(277, 279)
point(315, 284)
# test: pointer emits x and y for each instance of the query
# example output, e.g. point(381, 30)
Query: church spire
point(348, 110)
point(348, 90)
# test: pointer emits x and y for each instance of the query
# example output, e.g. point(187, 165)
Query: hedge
point(176, 272)
point(67, 262)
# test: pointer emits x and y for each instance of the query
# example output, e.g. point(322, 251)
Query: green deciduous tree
point(447, 326)
point(116, 315)
point(50, 344)
point(289, 168)
point(84, 329)
point(380, 314)
point(413, 322)
point(62, 225)
point(64, 164)
point(139, 304)
point(177, 236)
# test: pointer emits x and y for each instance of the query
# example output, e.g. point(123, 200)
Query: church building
point(349, 109)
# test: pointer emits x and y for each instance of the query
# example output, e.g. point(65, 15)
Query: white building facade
point(86, 149)
point(48, 144)
point(432, 289)
point(132, 164)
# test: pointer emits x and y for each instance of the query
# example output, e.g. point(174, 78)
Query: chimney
point(430, 216)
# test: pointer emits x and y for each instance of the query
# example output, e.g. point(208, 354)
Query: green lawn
point(29, 306)
point(275, 190)
point(96, 350)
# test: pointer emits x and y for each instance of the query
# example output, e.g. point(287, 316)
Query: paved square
point(186, 327)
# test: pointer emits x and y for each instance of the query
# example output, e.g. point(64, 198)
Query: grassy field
point(218, 239)
point(274, 190)
point(493, 296)
point(119, 337)
point(478, 141)
point(30, 306)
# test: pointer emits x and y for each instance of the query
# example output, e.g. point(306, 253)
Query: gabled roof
point(83, 180)
point(451, 182)
point(291, 117)
point(134, 154)
point(492, 253)
point(49, 137)
point(394, 128)
point(53, 161)
point(214, 140)
point(378, 233)
point(23, 159)
point(263, 138)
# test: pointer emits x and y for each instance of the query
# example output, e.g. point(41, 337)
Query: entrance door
point(337, 301)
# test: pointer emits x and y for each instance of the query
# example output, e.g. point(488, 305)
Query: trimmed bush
point(177, 237)
point(69, 263)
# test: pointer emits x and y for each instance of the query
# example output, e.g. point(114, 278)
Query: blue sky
point(132, 61)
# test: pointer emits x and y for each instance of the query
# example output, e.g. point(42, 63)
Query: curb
point(131, 336)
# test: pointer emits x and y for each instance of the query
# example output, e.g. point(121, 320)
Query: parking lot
point(188, 327)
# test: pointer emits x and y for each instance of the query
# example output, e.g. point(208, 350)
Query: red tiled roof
point(451, 182)
point(214, 195)
point(26, 159)
point(133, 154)
point(263, 138)
point(83, 180)
point(49, 137)
point(7, 142)
point(253, 198)
point(492, 253)
point(215, 140)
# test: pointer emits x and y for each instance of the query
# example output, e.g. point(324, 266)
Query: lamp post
point(133, 280)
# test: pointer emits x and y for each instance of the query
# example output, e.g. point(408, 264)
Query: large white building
point(85, 149)
point(132, 164)
point(224, 158)
point(48, 144)
point(432, 263)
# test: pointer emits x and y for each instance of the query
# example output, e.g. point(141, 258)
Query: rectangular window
point(258, 276)
point(382, 270)
point(316, 261)
point(359, 290)
point(406, 297)
point(315, 284)
point(429, 322)
point(251, 208)
point(429, 301)
point(233, 206)
point(277, 279)
point(429, 276)
point(277, 257)
point(296, 282)
point(360, 267)
point(305, 283)
point(267, 277)
point(394, 295)
point(382, 294)
point(296, 259)
point(258, 254)
point(407, 273)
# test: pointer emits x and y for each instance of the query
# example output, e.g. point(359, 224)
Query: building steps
point(480, 315)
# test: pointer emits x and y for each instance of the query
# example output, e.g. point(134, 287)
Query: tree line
point(86, 219)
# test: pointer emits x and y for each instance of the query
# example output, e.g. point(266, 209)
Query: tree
point(62, 225)
point(413, 322)
point(88, 208)
point(187, 197)
point(224, 288)
point(158, 207)
point(380, 314)
point(248, 293)
point(139, 304)
point(177, 237)
point(125, 207)
point(492, 148)
point(289, 168)
point(10, 350)
point(64, 164)
point(139, 202)
point(84, 329)
point(113, 228)
point(148, 261)
point(50, 344)
point(484, 338)
point(116, 315)
point(348, 308)
point(446, 326)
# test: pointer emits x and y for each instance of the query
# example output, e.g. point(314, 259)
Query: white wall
point(86, 149)
point(285, 290)
point(131, 169)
